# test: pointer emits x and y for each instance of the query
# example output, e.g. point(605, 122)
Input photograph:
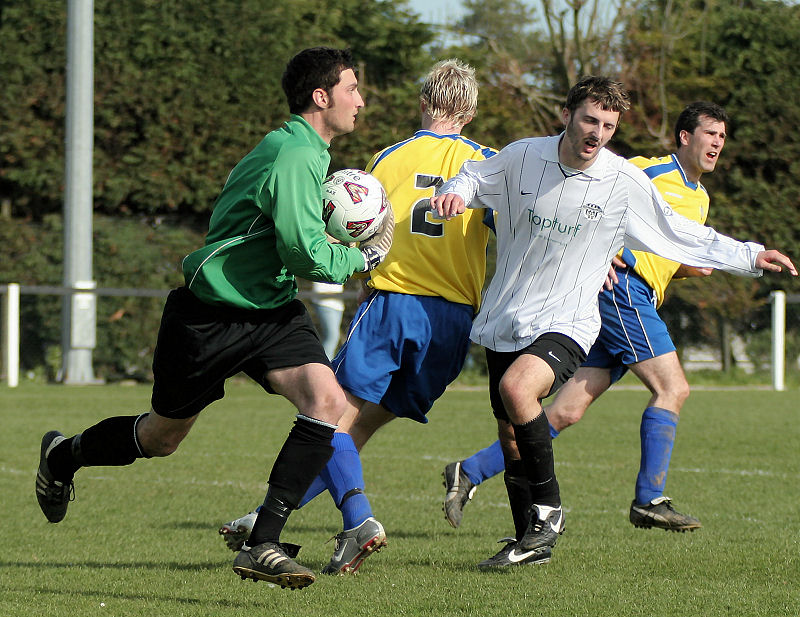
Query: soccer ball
point(353, 205)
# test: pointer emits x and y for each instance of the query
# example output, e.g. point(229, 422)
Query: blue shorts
point(402, 350)
point(631, 329)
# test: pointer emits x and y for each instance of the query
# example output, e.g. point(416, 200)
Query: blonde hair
point(450, 91)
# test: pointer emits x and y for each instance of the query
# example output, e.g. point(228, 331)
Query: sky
point(437, 11)
point(445, 11)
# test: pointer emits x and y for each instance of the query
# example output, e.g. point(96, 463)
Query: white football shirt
point(557, 230)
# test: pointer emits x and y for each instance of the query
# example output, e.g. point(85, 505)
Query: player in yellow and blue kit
point(404, 348)
point(632, 336)
point(410, 336)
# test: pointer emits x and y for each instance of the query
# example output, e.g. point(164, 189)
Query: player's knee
point(160, 445)
point(515, 393)
point(682, 391)
point(157, 436)
point(564, 415)
point(511, 400)
point(673, 395)
point(328, 405)
point(571, 415)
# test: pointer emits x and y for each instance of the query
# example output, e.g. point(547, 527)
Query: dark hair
point(317, 67)
point(689, 119)
point(609, 94)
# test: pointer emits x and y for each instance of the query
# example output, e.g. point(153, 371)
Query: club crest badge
point(591, 212)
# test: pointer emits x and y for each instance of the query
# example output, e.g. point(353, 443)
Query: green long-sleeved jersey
point(267, 228)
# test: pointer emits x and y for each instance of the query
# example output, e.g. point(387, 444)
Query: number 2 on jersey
point(419, 222)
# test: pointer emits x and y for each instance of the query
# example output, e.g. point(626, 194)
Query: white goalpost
point(11, 334)
point(779, 300)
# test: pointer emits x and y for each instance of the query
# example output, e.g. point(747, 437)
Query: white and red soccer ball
point(353, 205)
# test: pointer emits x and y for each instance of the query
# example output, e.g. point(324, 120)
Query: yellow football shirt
point(429, 256)
point(687, 198)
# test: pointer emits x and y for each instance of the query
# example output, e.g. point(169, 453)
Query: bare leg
point(575, 396)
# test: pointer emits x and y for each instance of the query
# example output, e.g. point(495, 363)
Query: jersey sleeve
point(295, 187)
point(652, 225)
point(371, 165)
point(480, 183)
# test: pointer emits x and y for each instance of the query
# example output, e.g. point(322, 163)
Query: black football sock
point(519, 496)
point(272, 517)
point(111, 442)
point(303, 456)
point(536, 450)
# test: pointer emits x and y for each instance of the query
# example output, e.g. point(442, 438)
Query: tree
point(742, 57)
point(182, 91)
point(528, 56)
point(32, 109)
point(583, 36)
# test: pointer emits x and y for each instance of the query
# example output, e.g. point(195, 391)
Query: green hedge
point(127, 253)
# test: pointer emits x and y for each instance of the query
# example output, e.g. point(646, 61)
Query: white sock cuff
point(136, 437)
point(301, 416)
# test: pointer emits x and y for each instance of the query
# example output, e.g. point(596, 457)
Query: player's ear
point(320, 98)
point(565, 116)
point(684, 137)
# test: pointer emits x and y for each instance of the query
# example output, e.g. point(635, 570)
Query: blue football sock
point(484, 464)
point(657, 433)
point(317, 487)
point(344, 479)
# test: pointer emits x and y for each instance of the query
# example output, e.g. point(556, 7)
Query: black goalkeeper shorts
point(200, 345)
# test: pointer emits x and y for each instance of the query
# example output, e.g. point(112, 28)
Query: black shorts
point(200, 345)
point(561, 353)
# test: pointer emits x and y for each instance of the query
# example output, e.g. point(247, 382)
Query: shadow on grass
point(129, 565)
point(105, 596)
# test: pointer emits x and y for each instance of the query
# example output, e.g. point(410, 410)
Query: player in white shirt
point(564, 207)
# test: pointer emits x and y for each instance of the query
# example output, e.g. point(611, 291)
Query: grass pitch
point(142, 541)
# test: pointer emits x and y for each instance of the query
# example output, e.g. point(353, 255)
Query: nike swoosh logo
point(515, 557)
point(454, 489)
point(557, 526)
point(552, 355)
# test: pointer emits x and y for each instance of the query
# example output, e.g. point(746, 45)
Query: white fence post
point(11, 335)
point(778, 339)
